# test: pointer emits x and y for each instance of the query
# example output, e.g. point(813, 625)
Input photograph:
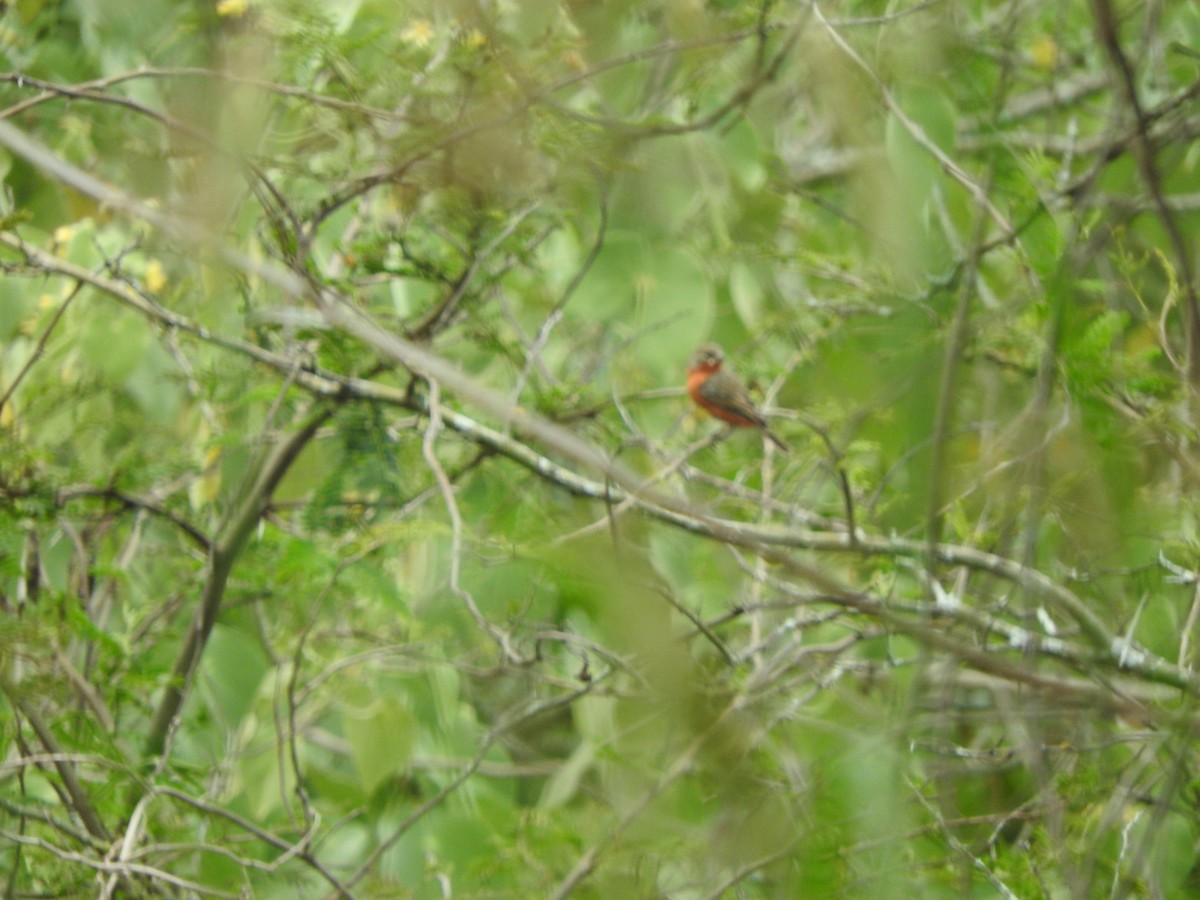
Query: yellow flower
point(575, 61)
point(474, 38)
point(233, 9)
point(63, 234)
point(1044, 53)
point(418, 33)
point(155, 278)
point(207, 486)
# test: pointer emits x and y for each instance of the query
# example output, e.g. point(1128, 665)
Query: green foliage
point(280, 616)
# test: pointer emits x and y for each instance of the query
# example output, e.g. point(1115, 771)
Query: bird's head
point(707, 357)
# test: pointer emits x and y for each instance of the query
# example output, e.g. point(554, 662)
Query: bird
point(722, 393)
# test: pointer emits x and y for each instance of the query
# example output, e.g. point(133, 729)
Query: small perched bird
point(722, 394)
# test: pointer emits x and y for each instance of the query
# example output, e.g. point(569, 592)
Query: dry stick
point(429, 453)
point(81, 801)
point(89, 696)
point(86, 91)
point(26, 814)
point(835, 458)
point(757, 615)
point(619, 502)
point(329, 385)
point(958, 329)
point(95, 89)
point(414, 357)
point(916, 132)
point(197, 537)
point(48, 262)
point(119, 201)
point(40, 347)
point(325, 384)
point(959, 847)
point(228, 547)
point(543, 333)
point(1189, 626)
point(436, 319)
point(122, 869)
point(299, 850)
point(741, 873)
point(311, 818)
point(1173, 792)
point(697, 622)
point(1143, 152)
point(587, 862)
point(423, 362)
point(493, 735)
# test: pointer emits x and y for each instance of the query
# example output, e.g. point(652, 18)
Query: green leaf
point(747, 296)
point(743, 155)
point(234, 665)
point(564, 784)
point(381, 735)
point(608, 290)
point(676, 306)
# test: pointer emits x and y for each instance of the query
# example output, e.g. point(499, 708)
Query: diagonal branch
point(775, 543)
point(1144, 155)
point(225, 552)
point(80, 799)
point(917, 133)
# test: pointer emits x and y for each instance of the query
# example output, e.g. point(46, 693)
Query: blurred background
point(284, 616)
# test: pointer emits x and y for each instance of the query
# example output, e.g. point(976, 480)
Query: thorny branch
point(969, 624)
point(1144, 154)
